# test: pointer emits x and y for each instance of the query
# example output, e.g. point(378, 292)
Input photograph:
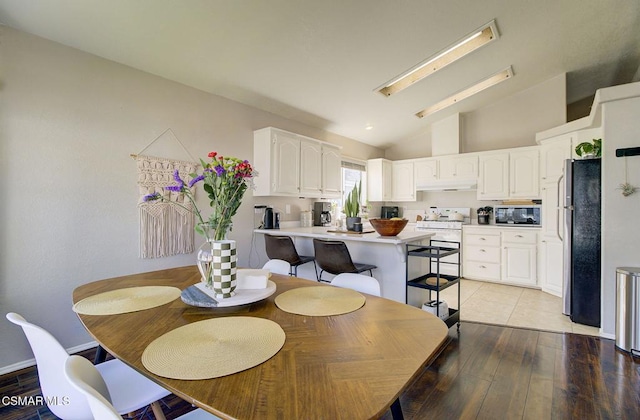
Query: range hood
point(449, 185)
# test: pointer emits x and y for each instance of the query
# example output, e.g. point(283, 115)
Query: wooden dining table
point(349, 366)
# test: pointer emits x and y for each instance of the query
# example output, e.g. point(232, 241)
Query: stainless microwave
point(518, 215)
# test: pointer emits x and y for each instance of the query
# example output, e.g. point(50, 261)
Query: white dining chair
point(85, 378)
point(129, 390)
point(358, 282)
point(278, 267)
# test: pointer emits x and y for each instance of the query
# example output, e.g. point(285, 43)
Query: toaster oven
point(518, 215)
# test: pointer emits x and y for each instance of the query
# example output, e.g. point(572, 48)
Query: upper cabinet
point(331, 171)
point(506, 174)
point(493, 180)
point(310, 168)
point(523, 173)
point(379, 184)
point(458, 166)
point(553, 154)
point(289, 164)
point(425, 171)
point(402, 180)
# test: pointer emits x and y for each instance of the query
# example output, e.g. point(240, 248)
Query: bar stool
point(282, 248)
point(334, 257)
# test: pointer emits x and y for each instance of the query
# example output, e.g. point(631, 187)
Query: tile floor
point(499, 304)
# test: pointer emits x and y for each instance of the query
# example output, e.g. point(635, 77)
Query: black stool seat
point(334, 258)
point(281, 247)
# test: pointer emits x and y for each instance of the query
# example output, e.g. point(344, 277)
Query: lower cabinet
point(481, 254)
point(551, 265)
point(506, 255)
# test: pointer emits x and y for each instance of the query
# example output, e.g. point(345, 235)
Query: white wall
point(620, 227)
point(69, 121)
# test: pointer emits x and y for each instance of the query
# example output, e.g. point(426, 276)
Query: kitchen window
point(353, 171)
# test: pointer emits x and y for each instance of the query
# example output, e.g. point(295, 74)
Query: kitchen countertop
point(494, 226)
point(406, 236)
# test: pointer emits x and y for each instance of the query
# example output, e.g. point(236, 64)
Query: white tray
point(204, 297)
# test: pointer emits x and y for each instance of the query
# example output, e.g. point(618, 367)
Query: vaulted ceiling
point(319, 62)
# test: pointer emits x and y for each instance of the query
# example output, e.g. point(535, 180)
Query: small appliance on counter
point(271, 219)
point(388, 212)
point(322, 213)
point(518, 215)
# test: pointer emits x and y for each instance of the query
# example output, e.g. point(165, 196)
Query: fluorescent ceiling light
point(478, 38)
point(471, 90)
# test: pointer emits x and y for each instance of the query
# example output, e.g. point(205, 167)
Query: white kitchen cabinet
point(425, 171)
point(508, 174)
point(379, 181)
point(481, 253)
point(402, 180)
point(311, 168)
point(524, 173)
point(553, 153)
point(493, 179)
point(331, 171)
point(505, 255)
point(458, 166)
point(551, 265)
point(519, 261)
point(289, 164)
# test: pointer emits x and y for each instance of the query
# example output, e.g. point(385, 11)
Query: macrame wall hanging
point(165, 228)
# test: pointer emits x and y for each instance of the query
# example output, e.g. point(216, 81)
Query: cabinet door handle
point(482, 266)
point(482, 250)
point(482, 239)
point(519, 236)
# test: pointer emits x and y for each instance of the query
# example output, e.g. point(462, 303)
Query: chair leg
point(157, 411)
point(315, 270)
point(396, 410)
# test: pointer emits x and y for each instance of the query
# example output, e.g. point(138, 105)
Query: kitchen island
point(386, 252)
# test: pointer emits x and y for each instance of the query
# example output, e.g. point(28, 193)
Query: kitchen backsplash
point(426, 199)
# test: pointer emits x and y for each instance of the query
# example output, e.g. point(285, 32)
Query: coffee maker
point(322, 213)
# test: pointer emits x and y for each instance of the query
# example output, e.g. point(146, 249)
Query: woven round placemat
point(213, 348)
point(320, 301)
point(130, 299)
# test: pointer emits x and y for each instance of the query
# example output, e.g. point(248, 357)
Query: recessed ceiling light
point(478, 38)
point(471, 90)
point(368, 127)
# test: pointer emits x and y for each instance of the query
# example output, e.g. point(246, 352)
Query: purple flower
point(175, 188)
point(220, 170)
point(180, 186)
point(151, 197)
point(195, 180)
point(176, 176)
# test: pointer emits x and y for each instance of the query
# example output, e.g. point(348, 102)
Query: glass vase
point(216, 261)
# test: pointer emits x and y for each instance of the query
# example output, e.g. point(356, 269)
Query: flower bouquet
point(225, 181)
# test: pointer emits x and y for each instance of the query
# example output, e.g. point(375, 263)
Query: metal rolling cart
point(434, 281)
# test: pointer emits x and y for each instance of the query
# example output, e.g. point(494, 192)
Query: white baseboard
point(607, 335)
point(32, 362)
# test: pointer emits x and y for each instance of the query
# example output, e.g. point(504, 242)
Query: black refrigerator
point(582, 208)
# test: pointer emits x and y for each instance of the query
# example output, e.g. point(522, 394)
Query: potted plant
point(352, 206)
point(592, 149)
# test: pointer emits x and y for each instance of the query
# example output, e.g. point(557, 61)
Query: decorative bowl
point(388, 227)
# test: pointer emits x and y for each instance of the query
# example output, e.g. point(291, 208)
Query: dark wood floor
point(486, 372)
